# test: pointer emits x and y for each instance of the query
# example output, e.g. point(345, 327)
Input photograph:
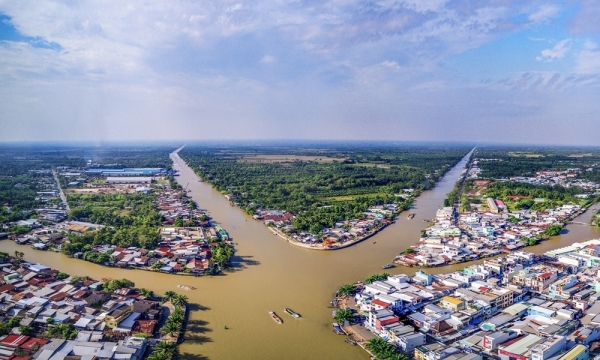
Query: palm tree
point(346, 289)
point(344, 315)
point(179, 300)
point(171, 328)
point(159, 355)
point(376, 345)
point(397, 356)
point(175, 317)
point(170, 295)
point(164, 346)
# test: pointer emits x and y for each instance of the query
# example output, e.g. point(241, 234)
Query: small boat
point(410, 216)
point(292, 312)
point(374, 242)
point(350, 341)
point(185, 287)
point(387, 266)
point(275, 317)
point(338, 329)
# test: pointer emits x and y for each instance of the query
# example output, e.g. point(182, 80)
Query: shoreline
point(321, 248)
point(123, 268)
point(347, 244)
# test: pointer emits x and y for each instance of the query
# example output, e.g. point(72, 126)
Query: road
point(60, 192)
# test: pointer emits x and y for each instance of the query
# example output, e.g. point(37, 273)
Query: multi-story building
point(548, 348)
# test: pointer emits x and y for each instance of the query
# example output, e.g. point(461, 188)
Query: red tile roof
point(380, 303)
point(14, 340)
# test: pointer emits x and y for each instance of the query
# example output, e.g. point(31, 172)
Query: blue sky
point(493, 70)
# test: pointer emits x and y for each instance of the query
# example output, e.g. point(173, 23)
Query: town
point(188, 243)
point(344, 234)
point(47, 314)
point(488, 226)
point(521, 306)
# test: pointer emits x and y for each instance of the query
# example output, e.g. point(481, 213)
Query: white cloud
point(148, 69)
point(557, 52)
point(268, 59)
point(588, 62)
point(544, 13)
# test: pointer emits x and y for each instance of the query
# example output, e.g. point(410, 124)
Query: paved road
point(60, 191)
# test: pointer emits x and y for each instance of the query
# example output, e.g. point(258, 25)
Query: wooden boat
point(292, 312)
point(410, 216)
point(350, 341)
point(276, 318)
point(185, 287)
point(338, 329)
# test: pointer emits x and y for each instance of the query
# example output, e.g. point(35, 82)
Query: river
point(270, 274)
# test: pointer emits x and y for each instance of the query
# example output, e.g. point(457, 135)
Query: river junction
point(230, 317)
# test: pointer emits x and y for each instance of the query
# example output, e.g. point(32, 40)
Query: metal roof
point(523, 345)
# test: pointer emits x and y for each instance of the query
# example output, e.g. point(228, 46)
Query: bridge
point(577, 223)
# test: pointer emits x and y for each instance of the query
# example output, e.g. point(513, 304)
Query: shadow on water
point(188, 356)
point(564, 231)
point(242, 262)
point(197, 328)
point(197, 307)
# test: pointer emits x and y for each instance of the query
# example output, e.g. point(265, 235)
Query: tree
point(171, 328)
point(377, 277)
point(179, 300)
point(409, 251)
point(384, 350)
point(146, 293)
point(346, 289)
point(159, 355)
point(170, 295)
point(25, 330)
point(553, 230)
point(163, 346)
point(344, 315)
point(116, 284)
point(61, 276)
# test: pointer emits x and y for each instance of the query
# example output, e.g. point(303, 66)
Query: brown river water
point(270, 274)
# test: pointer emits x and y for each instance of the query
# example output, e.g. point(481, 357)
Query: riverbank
point(340, 235)
point(319, 246)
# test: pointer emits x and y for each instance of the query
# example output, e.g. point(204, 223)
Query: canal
point(270, 274)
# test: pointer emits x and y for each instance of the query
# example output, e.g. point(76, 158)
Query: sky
point(415, 70)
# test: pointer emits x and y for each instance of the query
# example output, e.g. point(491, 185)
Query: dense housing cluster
point(520, 306)
point(46, 314)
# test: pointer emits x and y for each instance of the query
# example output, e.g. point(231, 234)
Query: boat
point(410, 216)
point(387, 266)
point(292, 312)
point(275, 317)
point(186, 287)
point(338, 329)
